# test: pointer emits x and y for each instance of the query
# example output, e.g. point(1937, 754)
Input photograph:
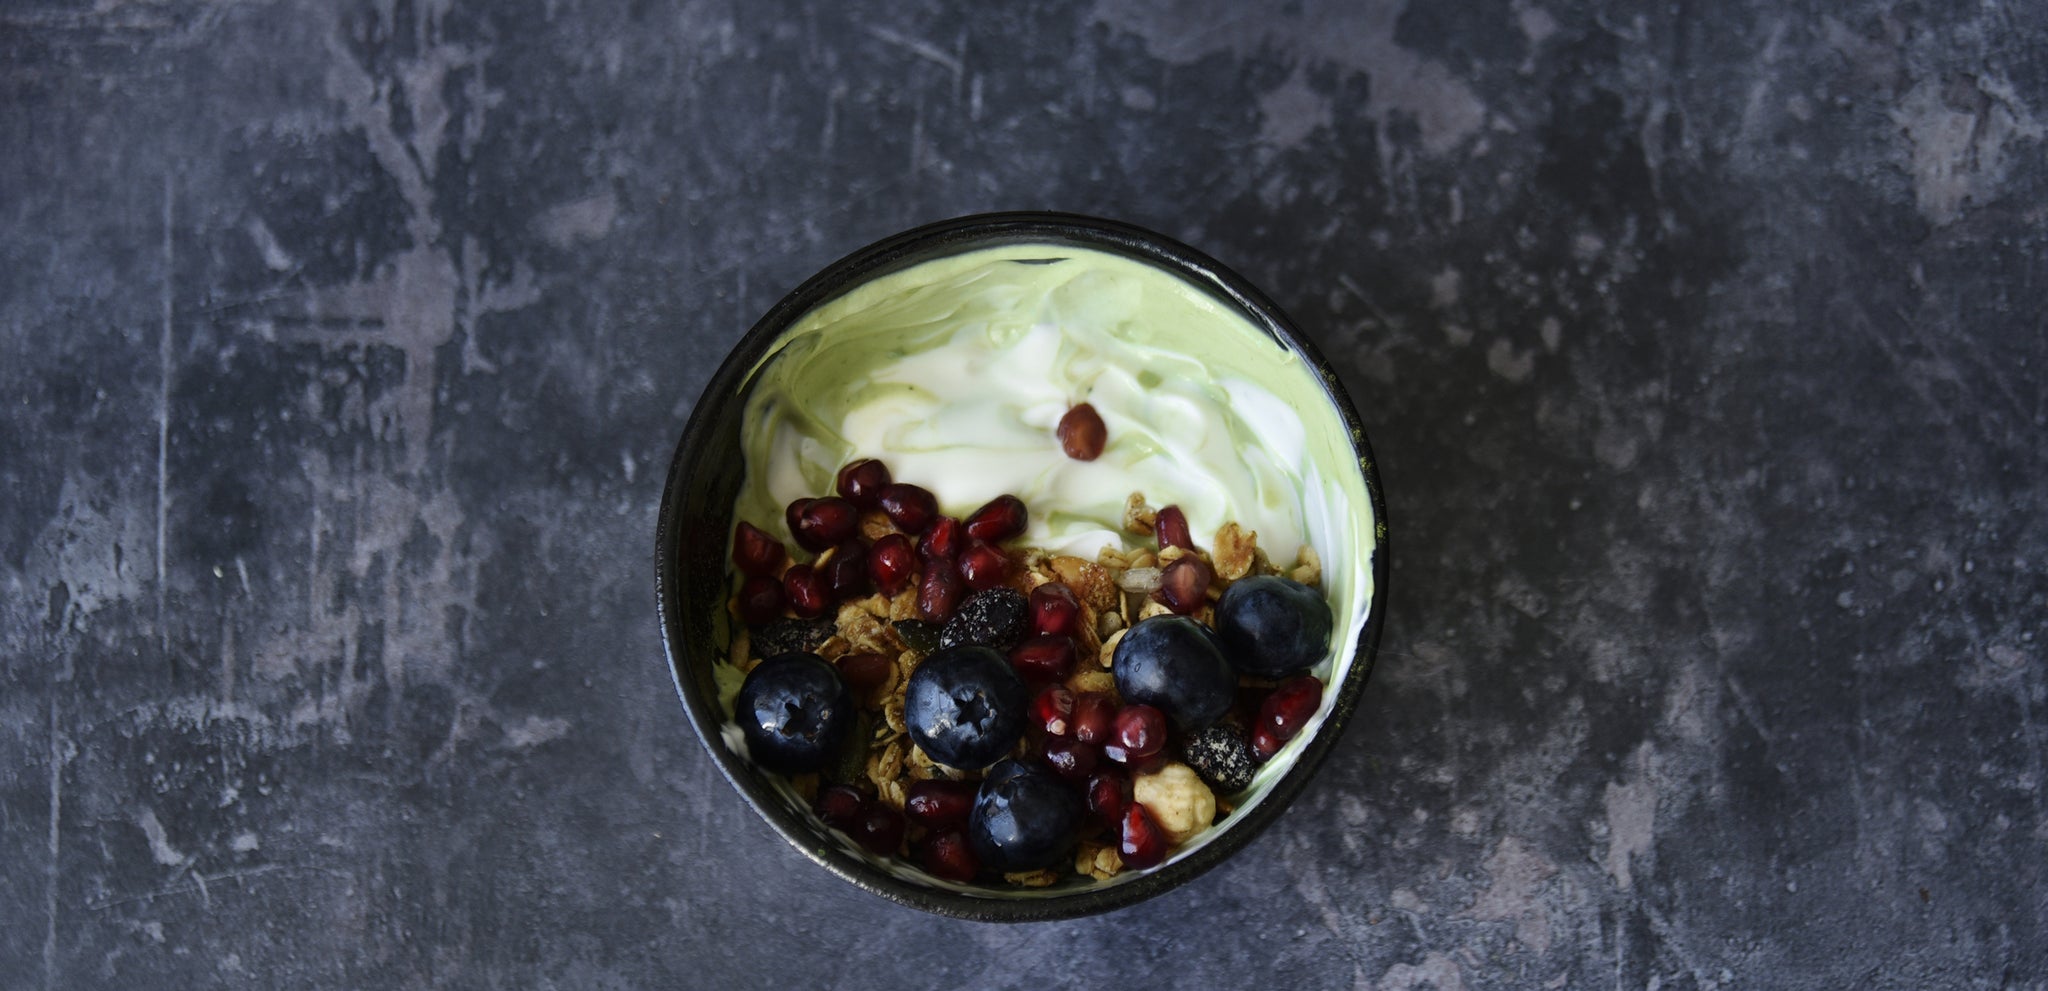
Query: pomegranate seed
point(1139, 732)
point(1053, 710)
point(1070, 758)
point(940, 804)
point(909, 507)
point(761, 600)
point(1109, 793)
point(1184, 585)
point(840, 806)
point(938, 594)
point(1082, 433)
point(793, 514)
point(808, 595)
point(1055, 610)
point(1290, 707)
point(983, 566)
point(1264, 744)
point(1171, 527)
point(861, 483)
point(1004, 517)
point(754, 551)
point(865, 672)
point(948, 856)
point(1143, 843)
point(1044, 658)
point(1094, 717)
point(942, 541)
point(826, 522)
point(880, 831)
point(891, 563)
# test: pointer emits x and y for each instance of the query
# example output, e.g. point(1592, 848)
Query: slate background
point(343, 347)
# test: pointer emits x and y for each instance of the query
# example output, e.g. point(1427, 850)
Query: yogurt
point(956, 372)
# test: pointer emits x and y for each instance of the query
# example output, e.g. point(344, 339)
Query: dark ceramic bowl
point(691, 580)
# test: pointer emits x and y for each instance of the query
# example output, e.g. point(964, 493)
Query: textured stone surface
point(342, 347)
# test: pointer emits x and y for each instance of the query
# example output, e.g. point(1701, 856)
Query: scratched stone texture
point(343, 347)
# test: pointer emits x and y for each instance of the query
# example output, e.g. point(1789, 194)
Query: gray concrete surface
point(343, 346)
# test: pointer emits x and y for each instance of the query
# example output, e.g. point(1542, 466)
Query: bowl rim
point(940, 239)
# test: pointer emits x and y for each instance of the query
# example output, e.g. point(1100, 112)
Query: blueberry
point(1176, 665)
point(1222, 757)
point(1024, 817)
point(997, 617)
point(794, 712)
point(965, 706)
point(1273, 627)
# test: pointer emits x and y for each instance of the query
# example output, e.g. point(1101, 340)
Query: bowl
point(705, 481)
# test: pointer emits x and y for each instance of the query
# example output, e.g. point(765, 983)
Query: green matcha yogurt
point(956, 372)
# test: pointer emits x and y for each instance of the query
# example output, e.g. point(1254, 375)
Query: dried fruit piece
point(1082, 433)
point(789, 636)
point(1222, 756)
point(992, 618)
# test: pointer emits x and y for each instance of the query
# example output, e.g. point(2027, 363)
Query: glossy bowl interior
point(696, 518)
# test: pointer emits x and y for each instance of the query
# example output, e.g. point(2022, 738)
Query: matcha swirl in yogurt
point(956, 372)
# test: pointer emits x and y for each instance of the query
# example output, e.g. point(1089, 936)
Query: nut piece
point(1308, 567)
point(1097, 860)
point(1236, 548)
point(1179, 802)
point(1138, 517)
point(1044, 878)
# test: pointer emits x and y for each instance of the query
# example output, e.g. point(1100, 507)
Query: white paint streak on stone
point(586, 219)
point(1631, 818)
point(1289, 114)
point(160, 842)
point(1355, 37)
point(1958, 132)
point(1515, 893)
point(1437, 970)
point(536, 730)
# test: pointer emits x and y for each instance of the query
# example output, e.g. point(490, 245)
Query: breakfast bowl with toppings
point(1021, 566)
